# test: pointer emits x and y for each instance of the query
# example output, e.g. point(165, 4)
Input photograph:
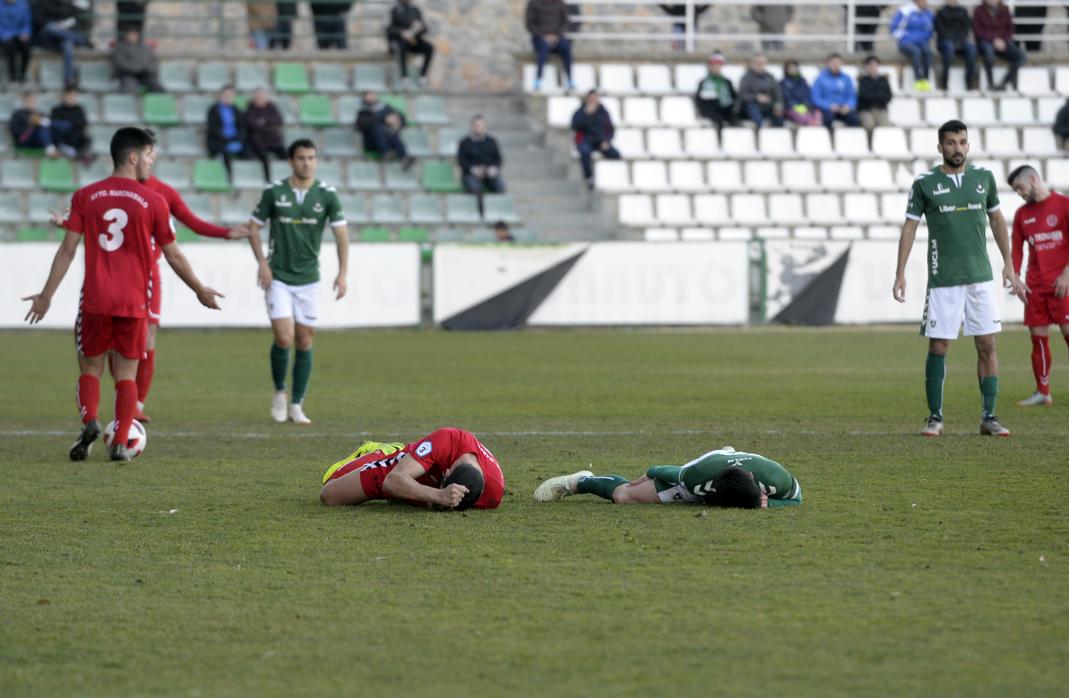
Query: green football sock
point(302, 372)
point(935, 372)
point(989, 391)
point(601, 485)
point(279, 359)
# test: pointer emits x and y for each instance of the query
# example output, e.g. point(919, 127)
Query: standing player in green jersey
point(298, 208)
point(958, 200)
point(725, 477)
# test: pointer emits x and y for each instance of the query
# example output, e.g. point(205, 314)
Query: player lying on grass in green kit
point(725, 478)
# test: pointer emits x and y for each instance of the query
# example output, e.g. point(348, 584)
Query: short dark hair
point(591, 92)
point(501, 225)
point(297, 145)
point(471, 477)
point(952, 126)
point(833, 55)
point(735, 487)
point(1022, 171)
point(129, 139)
point(872, 58)
point(226, 87)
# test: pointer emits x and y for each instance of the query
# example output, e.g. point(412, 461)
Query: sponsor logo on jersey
point(1030, 221)
point(283, 201)
point(1045, 236)
point(949, 208)
point(940, 189)
point(424, 449)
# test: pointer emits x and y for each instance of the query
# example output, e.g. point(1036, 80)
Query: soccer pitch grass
point(208, 566)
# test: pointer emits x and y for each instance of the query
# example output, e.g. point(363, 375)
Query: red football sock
point(125, 407)
point(87, 395)
point(145, 369)
point(1041, 363)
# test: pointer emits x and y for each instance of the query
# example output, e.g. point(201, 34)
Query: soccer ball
point(136, 439)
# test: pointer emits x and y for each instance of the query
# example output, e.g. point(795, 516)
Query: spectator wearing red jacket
point(992, 25)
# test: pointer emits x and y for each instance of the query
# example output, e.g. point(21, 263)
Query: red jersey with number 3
point(438, 451)
point(123, 223)
point(1044, 227)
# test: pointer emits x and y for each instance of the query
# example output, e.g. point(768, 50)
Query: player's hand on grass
point(207, 297)
point(899, 289)
point(341, 286)
point(38, 307)
point(264, 277)
point(450, 496)
point(1061, 285)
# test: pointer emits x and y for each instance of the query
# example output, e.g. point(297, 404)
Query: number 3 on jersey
point(113, 239)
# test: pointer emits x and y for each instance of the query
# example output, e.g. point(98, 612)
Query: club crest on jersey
point(940, 189)
point(318, 208)
point(980, 189)
point(1052, 220)
point(424, 449)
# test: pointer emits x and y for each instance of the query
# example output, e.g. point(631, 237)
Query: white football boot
point(559, 487)
point(297, 415)
point(933, 427)
point(1036, 399)
point(278, 406)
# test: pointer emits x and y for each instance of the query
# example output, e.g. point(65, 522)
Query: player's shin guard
point(125, 407)
point(302, 373)
point(989, 393)
point(601, 485)
point(1041, 363)
point(146, 368)
point(280, 359)
point(935, 373)
point(88, 398)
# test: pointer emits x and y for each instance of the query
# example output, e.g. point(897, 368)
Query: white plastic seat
point(688, 75)
point(810, 232)
point(711, 209)
point(1033, 81)
point(823, 209)
point(1039, 141)
point(997, 169)
point(612, 175)
point(1016, 111)
point(904, 177)
point(875, 175)
point(636, 210)
point(890, 142)
point(641, 111)
point(837, 175)
point(980, 111)
point(551, 82)
point(787, 209)
point(724, 175)
point(664, 143)
point(956, 86)
point(893, 207)
point(678, 111)
point(861, 209)
point(654, 79)
point(775, 143)
point(660, 235)
point(584, 77)
point(883, 232)
point(1001, 141)
point(847, 232)
point(696, 234)
point(800, 175)
point(772, 233)
point(1047, 108)
point(686, 175)
point(738, 142)
point(560, 109)
point(749, 209)
point(939, 110)
point(616, 78)
point(650, 175)
point(761, 175)
point(904, 112)
point(701, 142)
point(630, 142)
point(814, 142)
point(923, 142)
point(674, 209)
point(735, 233)
point(612, 105)
point(852, 143)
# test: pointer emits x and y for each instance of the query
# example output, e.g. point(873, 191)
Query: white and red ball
point(135, 441)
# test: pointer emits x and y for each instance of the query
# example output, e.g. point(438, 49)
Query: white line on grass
point(408, 434)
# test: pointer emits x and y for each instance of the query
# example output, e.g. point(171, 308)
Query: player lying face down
point(725, 478)
point(449, 468)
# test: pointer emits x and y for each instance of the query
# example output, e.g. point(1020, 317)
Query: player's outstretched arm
point(182, 267)
point(905, 244)
point(40, 302)
point(341, 237)
point(401, 484)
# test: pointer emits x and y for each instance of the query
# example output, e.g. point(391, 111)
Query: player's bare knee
point(939, 347)
point(328, 496)
point(621, 496)
point(284, 341)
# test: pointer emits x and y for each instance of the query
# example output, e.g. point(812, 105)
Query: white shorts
point(945, 309)
point(298, 302)
point(676, 494)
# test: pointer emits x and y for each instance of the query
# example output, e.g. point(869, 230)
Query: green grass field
point(914, 567)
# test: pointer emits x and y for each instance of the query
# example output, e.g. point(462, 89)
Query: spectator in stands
point(593, 134)
point(328, 18)
point(1034, 17)
point(912, 27)
point(1061, 126)
point(759, 93)
point(130, 14)
point(406, 35)
point(772, 19)
point(952, 29)
point(993, 28)
point(30, 128)
point(715, 98)
point(678, 9)
point(380, 125)
point(16, 30)
point(797, 97)
point(283, 33)
point(226, 125)
point(55, 28)
point(834, 94)
point(69, 127)
point(135, 65)
point(263, 131)
point(546, 21)
point(502, 232)
point(866, 24)
point(873, 96)
point(479, 159)
point(263, 18)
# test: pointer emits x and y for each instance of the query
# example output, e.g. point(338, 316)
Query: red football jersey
point(438, 451)
point(122, 222)
point(179, 210)
point(1044, 227)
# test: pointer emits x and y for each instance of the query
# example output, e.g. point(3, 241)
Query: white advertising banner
point(384, 286)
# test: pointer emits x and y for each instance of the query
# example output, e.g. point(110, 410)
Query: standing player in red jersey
point(122, 222)
point(1043, 225)
point(449, 468)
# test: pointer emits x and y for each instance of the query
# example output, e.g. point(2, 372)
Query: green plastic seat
point(160, 109)
point(398, 102)
point(317, 110)
point(184, 234)
point(375, 234)
point(210, 175)
point(56, 175)
point(35, 234)
point(413, 235)
point(292, 77)
point(369, 77)
point(440, 177)
point(331, 77)
point(211, 76)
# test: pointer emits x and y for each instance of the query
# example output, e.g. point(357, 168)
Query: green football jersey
point(297, 221)
point(956, 207)
point(697, 476)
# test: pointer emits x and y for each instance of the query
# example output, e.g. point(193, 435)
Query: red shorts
point(1045, 309)
point(373, 469)
point(96, 334)
point(155, 295)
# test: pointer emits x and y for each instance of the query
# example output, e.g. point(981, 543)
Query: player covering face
point(724, 477)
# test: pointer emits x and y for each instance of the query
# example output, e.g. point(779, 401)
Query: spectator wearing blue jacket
point(834, 94)
point(912, 27)
point(797, 98)
point(16, 29)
